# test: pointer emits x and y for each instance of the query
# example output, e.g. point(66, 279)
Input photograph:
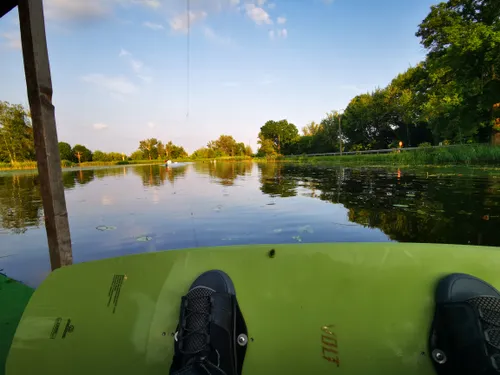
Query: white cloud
point(124, 52)
point(281, 20)
point(151, 125)
point(136, 65)
point(271, 5)
point(76, 10)
point(153, 26)
point(82, 10)
point(234, 2)
point(12, 39)
point(211, 35)
point(115, 85)
point(258, 15)
point(261, 2)
point(149, 3)
point(99, 126)
point(180, 22)
point(279, 33)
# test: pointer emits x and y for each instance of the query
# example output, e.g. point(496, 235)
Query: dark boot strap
point(465, 337)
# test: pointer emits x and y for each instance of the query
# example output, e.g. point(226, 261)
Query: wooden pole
point(39, 85)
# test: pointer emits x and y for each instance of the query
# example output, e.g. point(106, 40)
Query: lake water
point(134, 209)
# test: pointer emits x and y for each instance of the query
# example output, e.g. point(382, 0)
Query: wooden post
point(39, 85)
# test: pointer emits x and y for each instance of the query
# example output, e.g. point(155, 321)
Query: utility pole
point(340, 131)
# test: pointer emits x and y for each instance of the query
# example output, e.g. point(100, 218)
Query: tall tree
point(16, 133)
point(66, 152)
point(463, 40)
point(281, 133)
point(226, 145)
point(149, 147)
point(82, 153)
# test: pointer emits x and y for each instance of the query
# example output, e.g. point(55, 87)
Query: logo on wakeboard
point(329, 344)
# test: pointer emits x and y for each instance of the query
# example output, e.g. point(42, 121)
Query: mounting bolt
point(439, 356)
point(242, 339)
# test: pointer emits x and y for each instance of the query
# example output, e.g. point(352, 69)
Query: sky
point(121, 71)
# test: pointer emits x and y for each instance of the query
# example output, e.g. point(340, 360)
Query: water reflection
point(407, 207)
point(224, 173)
point(275, 182)
point(72, 178)
point(20, 202)
point(416, 207)
point(156, 175)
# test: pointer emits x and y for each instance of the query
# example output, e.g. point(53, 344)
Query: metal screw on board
point(439, 356)
point(242, 339)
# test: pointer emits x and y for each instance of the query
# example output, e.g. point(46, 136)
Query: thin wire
point(188, 14)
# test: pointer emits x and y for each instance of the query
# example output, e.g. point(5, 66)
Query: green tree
point(99, 156)
point(282, 134)
point(248, 150)
point(162, 153)
point(82, 153)
point(311, 129)
point(149, 147)
point(65, 151)
point(137, 155)
point(225, 145)
point(178, 152)
point(463, 40)
point(266, 148)
point(16, 134)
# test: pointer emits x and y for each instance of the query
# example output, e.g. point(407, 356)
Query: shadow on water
point(408, 207)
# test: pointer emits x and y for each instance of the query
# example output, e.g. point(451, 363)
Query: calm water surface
point(135, 209)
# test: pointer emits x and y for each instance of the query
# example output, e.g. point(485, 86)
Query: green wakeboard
point(310, 308)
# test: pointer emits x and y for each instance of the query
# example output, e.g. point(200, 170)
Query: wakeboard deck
point(355, 308)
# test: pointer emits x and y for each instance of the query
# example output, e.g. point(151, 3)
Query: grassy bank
point(27, 165)
point(474, 155)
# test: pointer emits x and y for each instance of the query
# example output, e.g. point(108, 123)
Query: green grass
point(473, 155)
point(26, 165)
point(21, 165)
point(222, 158)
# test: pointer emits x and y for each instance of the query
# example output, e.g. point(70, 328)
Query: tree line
point(16, 144)
point(453, 96)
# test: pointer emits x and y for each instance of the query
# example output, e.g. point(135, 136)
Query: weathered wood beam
point(39, 85)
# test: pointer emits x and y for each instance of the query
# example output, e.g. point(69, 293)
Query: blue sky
point(119, 67)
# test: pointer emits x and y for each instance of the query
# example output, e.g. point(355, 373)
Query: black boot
point(211, 337)
point(465, 334)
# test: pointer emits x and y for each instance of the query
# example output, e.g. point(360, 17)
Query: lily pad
point(144, 238)
point(105, 227)
point(297, 238)
point(278, 230)
point(400, 205)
